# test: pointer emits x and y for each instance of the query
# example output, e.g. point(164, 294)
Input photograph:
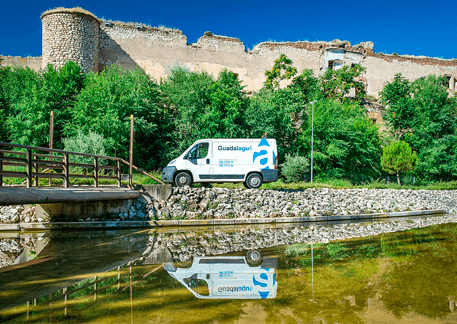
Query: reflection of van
point(226, 277)
point(251, 161)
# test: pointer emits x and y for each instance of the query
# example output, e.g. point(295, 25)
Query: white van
point(226, 277)
point(251, 161)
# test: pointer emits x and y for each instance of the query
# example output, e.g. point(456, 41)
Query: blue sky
point(417, 28)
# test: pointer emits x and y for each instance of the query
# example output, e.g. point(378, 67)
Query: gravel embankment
point(222, 203)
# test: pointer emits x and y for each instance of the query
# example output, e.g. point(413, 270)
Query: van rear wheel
point(254, 181)
point(183, 179)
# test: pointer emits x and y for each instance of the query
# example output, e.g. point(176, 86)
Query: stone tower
point(70, 34)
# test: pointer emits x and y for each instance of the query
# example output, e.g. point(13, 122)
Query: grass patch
point(141, 179)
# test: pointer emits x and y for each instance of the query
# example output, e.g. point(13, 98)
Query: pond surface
point(230, 275)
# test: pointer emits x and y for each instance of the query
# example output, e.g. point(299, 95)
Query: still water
point(229, 275)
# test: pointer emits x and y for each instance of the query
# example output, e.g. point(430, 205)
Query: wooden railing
point(58, 163)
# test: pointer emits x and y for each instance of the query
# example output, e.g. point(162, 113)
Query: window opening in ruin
point(373, 120)
point(450, 81)
point(330, 64)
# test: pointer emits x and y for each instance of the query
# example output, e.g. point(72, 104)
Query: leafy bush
point(294, 168)
point(91, 143)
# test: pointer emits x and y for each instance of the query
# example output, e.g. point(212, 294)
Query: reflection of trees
point(425, 279)
point(342, 272)
point(419, 277)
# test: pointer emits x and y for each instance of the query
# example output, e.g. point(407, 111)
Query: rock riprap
point(209, 203)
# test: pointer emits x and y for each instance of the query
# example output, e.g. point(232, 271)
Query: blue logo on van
point(263, 283)
point(263, 153)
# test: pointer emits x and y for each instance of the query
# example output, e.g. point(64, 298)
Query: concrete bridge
point(48, 195)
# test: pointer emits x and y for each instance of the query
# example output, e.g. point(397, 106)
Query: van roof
point(233, 139)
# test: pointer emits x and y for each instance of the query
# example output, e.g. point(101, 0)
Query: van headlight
point(172, 162)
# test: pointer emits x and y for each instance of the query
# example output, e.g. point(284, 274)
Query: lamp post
point(312, 136)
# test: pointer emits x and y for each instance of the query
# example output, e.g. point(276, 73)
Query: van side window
point(199, 151)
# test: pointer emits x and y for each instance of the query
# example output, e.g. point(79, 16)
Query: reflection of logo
point(263, 153)
point(265, 285)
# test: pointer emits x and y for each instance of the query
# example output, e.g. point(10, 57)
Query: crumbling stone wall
point(78, 35)
point(70, 35)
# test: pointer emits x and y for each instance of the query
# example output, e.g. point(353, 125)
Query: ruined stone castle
point(78, 35)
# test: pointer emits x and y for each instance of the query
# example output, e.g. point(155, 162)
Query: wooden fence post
point(66, 180)
point(29, 168)
point(131, 153)
point(65, 292)
point(131, 283)
point(36, 171)
point(119, 174)
point(51, 137)
point(96, 172)
point(118, 278)
point(95, 288)
point(28, 311)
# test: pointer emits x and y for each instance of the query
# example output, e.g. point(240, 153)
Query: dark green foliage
point(346, 143)
point(203, 107)
point(188, 106)
point(105, 104)
point(308, 85)
point(398, 158)
point(423, 114)
point(338, 84)
point(278, 113)
point(34, 96)
point(4, 107)
point(396, 97)
point(295, 168)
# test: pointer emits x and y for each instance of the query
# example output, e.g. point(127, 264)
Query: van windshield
point(199, 151)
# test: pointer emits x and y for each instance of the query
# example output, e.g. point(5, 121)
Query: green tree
point(423, 114)
point(338, 84)
point(346, 143)
point(396, 97)
point(30, 107)
point(104, 106)
point(203, 107)
point(398, 157)
point(308, 85)
point(281, 70)
point(4, 107)
point(279, 113)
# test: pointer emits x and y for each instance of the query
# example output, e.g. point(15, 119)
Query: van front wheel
point(183, 179)
point(254, 181)
point(254, 258)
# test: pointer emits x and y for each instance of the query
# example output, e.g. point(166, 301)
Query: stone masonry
point(70, 36)
point(76, 34)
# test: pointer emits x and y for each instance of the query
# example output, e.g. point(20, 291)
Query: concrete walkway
point(212, 222)
point(46, 195)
